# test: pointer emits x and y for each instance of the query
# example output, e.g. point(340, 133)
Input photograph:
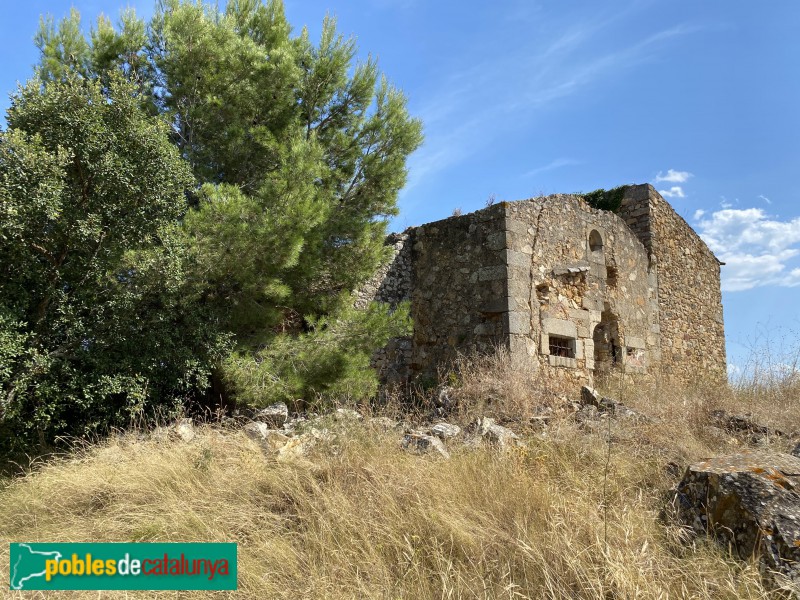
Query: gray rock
point(185, 430)
point(738, 423)
point(271, 439)
point(424, 444)
point(586, 413)
point(299, 446)
point(256, 431)
point(292, 424)
point(590, 396)
point(444, 399)
point(594, 406)
point(796, 450)
point(750, 502)
point(590, 419)
point(274, 415)
point(745, 427)
point(497, 434)
point(445, 430)
point(620, 411)
point(347, 414)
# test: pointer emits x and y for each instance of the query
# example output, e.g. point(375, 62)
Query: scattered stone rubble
point(184, 430)
point(595, 408)
point(745, 428)
point(445, 430)
point(283, 434)
point(423, 444)
point(497, 434)
point(274, 414)
point(751, 502)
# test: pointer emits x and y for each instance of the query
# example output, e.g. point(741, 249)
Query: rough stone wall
point(458, 297)
point(579, 275)
point(689, 296)
point(391, 284)
point(580, 292)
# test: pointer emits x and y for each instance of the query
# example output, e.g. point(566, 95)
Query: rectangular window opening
point(634, 357)
point(561, 346)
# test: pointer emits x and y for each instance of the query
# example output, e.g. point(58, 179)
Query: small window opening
point(611, 276)
point(634, 357)
point(561, 346)
point(595, 241)
point(542, 291)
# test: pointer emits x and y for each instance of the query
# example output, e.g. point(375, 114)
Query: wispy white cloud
point(675, 191)
point(765, 199)
point(698, 214)
point(506, 91)
point(552, 165)
point(673, 176)
point(756, 248)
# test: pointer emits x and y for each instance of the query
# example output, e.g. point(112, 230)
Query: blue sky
point(521, 98)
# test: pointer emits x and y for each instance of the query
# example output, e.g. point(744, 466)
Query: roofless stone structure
point(578, 290)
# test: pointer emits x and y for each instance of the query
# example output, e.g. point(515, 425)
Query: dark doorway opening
point(607, 349)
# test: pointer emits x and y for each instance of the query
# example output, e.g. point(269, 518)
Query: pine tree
point(298, 154)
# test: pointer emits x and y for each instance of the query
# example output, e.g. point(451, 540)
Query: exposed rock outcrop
point(595, 407)
point(497, 434)
point(750, 501)
point(744, 427)
point(445, 430)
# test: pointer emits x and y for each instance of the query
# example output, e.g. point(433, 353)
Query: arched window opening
point(595, 241)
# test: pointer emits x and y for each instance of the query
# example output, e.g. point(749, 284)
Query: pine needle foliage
point(184, 197)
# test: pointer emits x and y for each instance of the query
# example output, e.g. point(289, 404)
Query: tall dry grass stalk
point(361, 518)
point(504, 385)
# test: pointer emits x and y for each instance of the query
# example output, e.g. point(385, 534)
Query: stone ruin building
point(579, 291)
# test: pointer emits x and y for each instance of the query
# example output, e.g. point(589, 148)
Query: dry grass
point(361, 518)
point(505, 386)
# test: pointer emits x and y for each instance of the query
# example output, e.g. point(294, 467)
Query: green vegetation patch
point(602, 199)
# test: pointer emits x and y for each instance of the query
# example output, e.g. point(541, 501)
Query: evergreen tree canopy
point(173, 188)
point(294, 142)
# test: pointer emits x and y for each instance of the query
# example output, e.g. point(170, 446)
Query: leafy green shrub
point(95, 326)
point(601, 199)
point(330, 362)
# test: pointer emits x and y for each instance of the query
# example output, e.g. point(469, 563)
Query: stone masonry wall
point(579, 292)
point(459, 275)
point(580, 275)
point(690, 300)
point(391, 284)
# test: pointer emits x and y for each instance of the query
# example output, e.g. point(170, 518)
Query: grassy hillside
point(567, 516)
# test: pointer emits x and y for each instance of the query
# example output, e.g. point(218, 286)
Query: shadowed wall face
point(459, 300)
